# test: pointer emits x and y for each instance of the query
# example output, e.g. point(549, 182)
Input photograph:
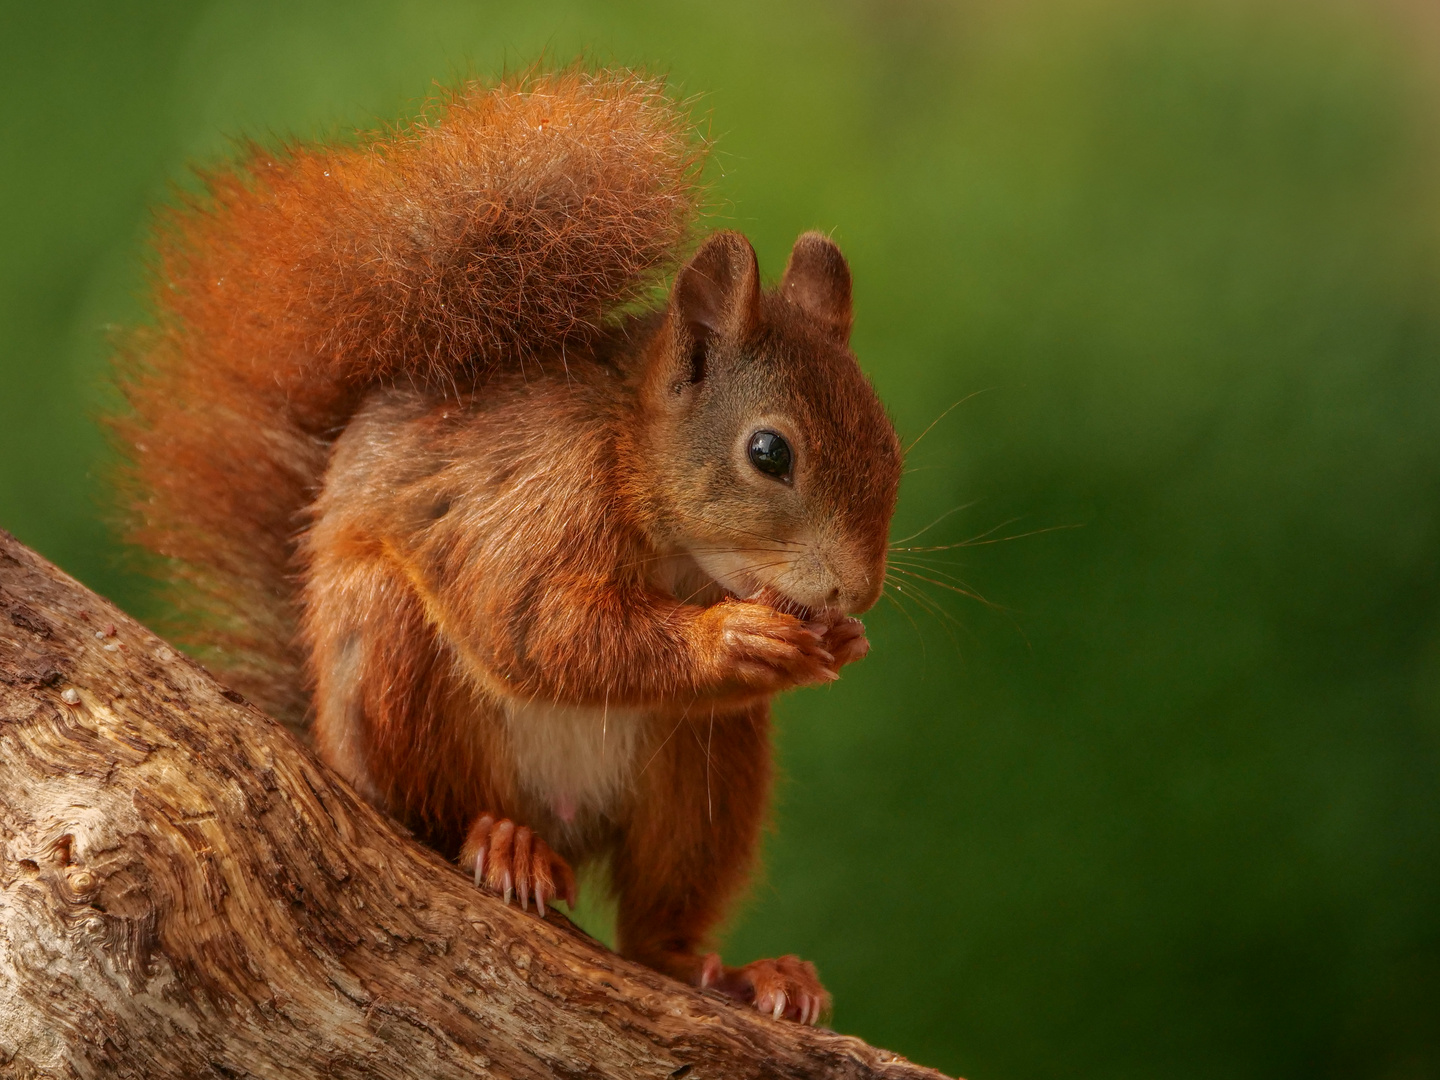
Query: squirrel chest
point(575, 761)
point(492, 500)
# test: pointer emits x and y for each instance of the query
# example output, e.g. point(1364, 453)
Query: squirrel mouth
point(754, 592)
point(774, 598)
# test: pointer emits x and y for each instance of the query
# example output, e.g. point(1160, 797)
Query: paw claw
point(711, 971)
point(507, 859)
point(786, 987)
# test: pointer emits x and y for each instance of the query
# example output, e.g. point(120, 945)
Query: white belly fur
point(578, 761)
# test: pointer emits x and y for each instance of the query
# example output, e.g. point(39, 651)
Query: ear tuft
point(718, 290)
point(817, 280)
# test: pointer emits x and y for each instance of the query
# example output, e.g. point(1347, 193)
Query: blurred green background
point(1167, 805)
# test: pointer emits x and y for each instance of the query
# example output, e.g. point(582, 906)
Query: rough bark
point(185, 891)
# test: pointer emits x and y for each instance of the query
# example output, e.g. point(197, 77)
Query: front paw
point(846, 641)
point(508, 859)
point(786, 986)
point(765, 651)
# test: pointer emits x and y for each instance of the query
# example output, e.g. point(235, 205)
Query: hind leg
point(687, 852)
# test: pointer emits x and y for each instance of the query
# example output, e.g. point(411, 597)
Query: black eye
point(770, 453)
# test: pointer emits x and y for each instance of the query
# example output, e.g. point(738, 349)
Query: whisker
point(911, 565)
point(750, 566)
point(896, 546)
point(929, 605)
point(697, 592)
point(696, 551)
point(710, 738)
point(962, 589)
point(683, 717)
point(1001, 609)
point(726, 527)
point(924, 656)
point(942, 416)
point(925, 600)
point(951, 582)
point(942, 517)
point(746, 569)
point(979, 541)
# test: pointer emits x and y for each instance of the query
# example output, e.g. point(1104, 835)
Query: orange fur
point(544, 593)
point(505, 219)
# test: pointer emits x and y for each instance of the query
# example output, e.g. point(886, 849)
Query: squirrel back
point(509, 221)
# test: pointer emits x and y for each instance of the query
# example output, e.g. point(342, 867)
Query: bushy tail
point(508, 219)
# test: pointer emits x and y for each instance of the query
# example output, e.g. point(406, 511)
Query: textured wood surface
point(185, 891)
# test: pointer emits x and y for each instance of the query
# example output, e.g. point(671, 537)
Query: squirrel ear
point(718, 290)
point(817, 280)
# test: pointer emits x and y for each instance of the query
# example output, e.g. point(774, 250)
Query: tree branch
point(185, 891)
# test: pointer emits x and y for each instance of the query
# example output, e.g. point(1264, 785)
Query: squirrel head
point(772, 462)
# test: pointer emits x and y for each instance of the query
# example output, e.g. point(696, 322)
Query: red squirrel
point(531, 557)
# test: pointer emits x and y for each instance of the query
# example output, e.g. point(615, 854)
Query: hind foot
point(786, 986)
